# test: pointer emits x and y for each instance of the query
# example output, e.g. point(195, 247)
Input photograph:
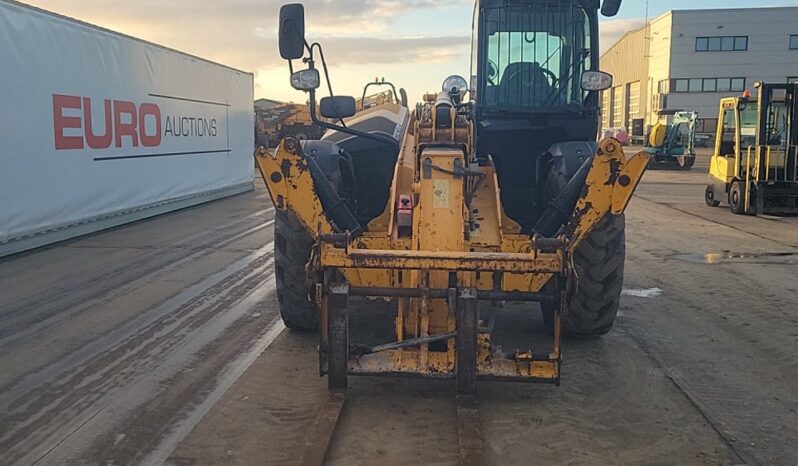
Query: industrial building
point(689, 59)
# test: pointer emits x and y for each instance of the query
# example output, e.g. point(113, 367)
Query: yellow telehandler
point(501, 196)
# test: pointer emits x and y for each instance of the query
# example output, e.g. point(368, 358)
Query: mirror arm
point(314, 117)
point(344, 129)
point(308, 60)
point(326, 73)
point(323, 65)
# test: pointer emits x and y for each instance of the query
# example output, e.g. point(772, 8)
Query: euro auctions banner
point(96, 124)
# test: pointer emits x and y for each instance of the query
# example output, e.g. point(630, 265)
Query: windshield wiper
point(567, 80)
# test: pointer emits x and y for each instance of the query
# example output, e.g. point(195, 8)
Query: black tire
point(737, 197)
point(709, 196)
point(292, 248)
point(686, 162)
point(595, 286)
point(595, 290)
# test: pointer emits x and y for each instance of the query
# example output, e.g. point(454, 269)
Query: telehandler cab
point(755, 165)
point(504, 196)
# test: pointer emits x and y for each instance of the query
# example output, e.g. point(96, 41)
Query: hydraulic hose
point(559, 210)
point(335, 207)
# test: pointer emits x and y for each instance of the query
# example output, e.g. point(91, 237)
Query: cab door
point(724, 165)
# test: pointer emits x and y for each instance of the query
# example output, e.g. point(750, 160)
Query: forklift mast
point(775, 131)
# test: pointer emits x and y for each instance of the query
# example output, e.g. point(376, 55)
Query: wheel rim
point(709, 194)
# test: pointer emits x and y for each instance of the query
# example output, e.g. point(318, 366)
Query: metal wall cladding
point(95, 124)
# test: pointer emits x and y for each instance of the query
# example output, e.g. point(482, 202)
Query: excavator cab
point(672, 140)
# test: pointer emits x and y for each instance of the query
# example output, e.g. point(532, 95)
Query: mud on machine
point(501, 196)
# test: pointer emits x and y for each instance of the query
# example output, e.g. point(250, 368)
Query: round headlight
point(454, 83)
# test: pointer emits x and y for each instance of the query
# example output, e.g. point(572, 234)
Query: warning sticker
point(441, 194)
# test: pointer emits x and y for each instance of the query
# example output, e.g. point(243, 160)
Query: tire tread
point(292, 247)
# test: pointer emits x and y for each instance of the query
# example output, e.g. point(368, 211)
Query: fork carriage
point(441, 262)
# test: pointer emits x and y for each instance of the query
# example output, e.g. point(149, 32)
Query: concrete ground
point(159, 342)
point(113, 346)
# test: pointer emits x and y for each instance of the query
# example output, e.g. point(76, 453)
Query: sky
point(413, 43)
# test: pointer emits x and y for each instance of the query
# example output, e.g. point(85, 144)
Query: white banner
point(94, 123)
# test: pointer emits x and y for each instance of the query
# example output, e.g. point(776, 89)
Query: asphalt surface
point(159, 342)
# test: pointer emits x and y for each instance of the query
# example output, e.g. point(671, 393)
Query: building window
point(659, 102)
point(617, 107)
point(792, 80)
point(707, 85)
point(793, 41)
point(706, 125)
point(740, 43)
point(632, 103)
point(724, 44)
point(664, 86)
point(606, 108)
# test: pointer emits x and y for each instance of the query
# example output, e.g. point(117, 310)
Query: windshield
point(748, 114)
point(535, 55)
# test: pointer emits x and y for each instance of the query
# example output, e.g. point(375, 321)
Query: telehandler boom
point(501, 197)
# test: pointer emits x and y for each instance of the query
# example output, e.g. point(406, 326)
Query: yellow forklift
point(755, 165)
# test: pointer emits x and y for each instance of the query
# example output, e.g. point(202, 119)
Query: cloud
point(362, 50)
point(354, 60)
point(243, 33)
point(347, 17)
point(611, 31)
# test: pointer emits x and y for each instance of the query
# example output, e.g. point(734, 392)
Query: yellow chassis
point(438, 274)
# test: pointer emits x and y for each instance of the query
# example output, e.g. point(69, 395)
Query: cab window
point(535, 55)
point(748, 116)
point(728, 133)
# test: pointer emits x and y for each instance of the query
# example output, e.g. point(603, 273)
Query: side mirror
point(337, 107)
point(596, 81)
point(305, 80)
point(291, 32)
point(610, 7)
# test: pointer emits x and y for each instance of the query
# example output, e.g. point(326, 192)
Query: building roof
point(627, 34)
point(267, 103)
point(694, 11)
point(727, 10)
